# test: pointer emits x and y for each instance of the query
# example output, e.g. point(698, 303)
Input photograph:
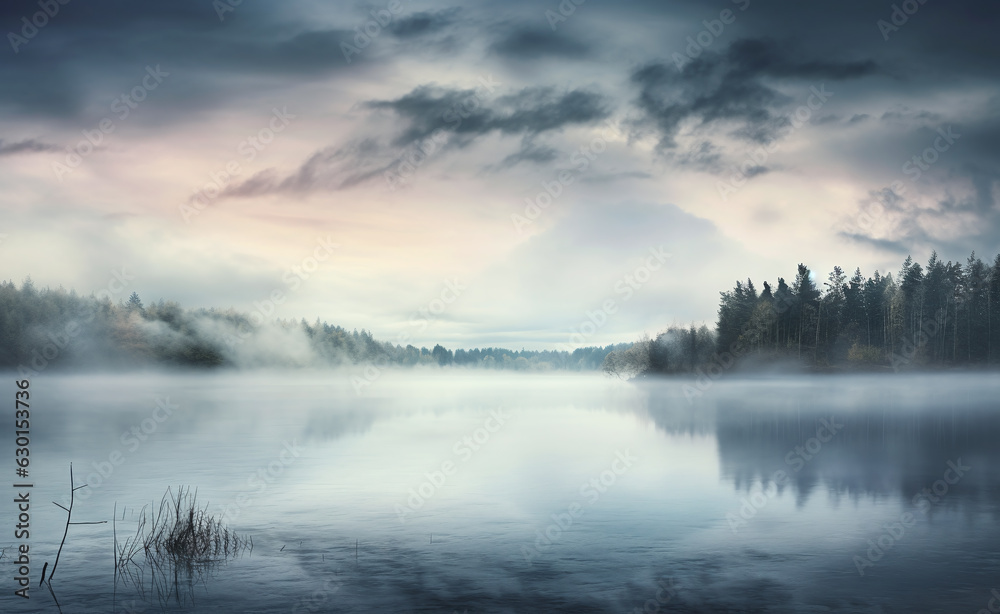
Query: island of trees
point(944, 314)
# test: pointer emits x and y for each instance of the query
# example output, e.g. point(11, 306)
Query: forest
point(942, 315)
point(46, 328)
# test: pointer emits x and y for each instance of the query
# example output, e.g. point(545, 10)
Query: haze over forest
point(39, 328)
point(941, 314)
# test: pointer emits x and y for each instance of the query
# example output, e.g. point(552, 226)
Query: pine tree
point(993, 312)
point(807, 296)
point(832, 307)
point(134, 302)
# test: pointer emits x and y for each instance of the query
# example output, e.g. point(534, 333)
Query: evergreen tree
point(993, 313)
point(807, 299)
point(832, 309)
point(134, 302)
point(976, 300)
point(856, 320)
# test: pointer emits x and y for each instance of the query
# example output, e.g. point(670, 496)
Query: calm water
point(471, 492)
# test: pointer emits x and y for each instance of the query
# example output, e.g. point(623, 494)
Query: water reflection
point(855, 452)
point(892, 438)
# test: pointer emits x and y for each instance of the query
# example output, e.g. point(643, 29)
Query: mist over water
point(452, 490)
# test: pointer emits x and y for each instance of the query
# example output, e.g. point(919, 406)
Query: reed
point(181, 531)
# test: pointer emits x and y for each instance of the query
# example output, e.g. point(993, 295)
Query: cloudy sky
point(504, 167)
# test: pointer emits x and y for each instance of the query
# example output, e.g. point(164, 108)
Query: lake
point(470, 491)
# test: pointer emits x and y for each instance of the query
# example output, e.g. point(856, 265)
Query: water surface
point(460, 491)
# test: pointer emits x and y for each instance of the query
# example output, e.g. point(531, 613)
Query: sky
point(522, 174)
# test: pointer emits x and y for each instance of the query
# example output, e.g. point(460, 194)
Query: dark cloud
point(202, 71)
point(760, 58)
point(529, 152)
point(89, 53)
point(423, 23)
point(532, 43)
point(25, 146)
point(942, 40)
point(434, 119)
point(530, 111)
point(109, 14)
point(734, 87)
point(704, 156)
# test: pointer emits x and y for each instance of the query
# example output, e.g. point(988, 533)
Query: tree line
point(944, 314)
point(43, 328)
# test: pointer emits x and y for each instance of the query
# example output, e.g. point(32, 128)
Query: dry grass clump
point(181, 532)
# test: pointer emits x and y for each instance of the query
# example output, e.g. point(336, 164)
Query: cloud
point(531, 111)
point(618, 238)
point(423, 23)
point(439, 117)
point(332, 168)
point(529, 152)
point(532, 43)
point(733, 88)
point(882, 244)
point(757, 58)
point(91, 52)
point(25, 146)
point(946, 198)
